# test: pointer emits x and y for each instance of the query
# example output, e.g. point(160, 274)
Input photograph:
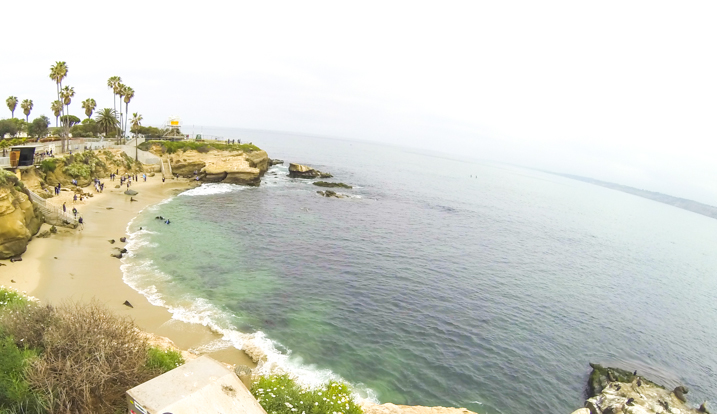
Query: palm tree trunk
point(126, 109)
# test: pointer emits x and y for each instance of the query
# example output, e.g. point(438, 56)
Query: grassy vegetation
point(16, 394)
point(279, 394)
point(163, 360)
point(171, 147)
point(73, 358)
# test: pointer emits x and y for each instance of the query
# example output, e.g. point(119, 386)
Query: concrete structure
point(199, 386)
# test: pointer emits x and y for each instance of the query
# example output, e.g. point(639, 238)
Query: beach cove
point(76, 265)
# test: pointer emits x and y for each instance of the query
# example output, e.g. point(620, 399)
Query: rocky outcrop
point(371, 408)
point(613, 390)
point(302, 171)
point(276, 161)
point(331, 185)
point(19, 220)
point(233, 167)
point(329, 193)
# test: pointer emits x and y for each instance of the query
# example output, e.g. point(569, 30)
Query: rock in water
point(329, 193)
point(131, 192)
point(126, 303)
point(117, 255)
point(123, 239)
point(680, 392)
point(276, 162)
point(112, 241)
point(328, 184)
point(623, 395)
point(302, 171)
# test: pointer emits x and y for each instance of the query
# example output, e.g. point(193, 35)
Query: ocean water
point(438, 281)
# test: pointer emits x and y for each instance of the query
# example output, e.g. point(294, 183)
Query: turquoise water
point(439, 282)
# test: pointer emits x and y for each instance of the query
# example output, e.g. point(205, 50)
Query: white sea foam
point(212, 188)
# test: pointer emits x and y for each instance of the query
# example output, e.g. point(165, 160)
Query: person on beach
point(74, 199)
point(64, 207)
point(74, 211)
point(162, 180)
point(81, 222)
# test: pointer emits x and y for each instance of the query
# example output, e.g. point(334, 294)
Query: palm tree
point(12, 104)
point(121, 88)
point(136, 123)
point(89, 106)
point(107, 120)
point(67, 93)
point(56, 107)
point(58, 72)
point(112, 84)
point(128, 95)
point(26, 106)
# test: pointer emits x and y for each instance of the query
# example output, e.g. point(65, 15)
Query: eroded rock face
point(18, 222)
point(613, 390)
point(231, 167)
point(302, 171)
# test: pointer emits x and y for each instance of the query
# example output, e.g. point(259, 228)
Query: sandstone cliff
point(19, 220)
point(214, 166)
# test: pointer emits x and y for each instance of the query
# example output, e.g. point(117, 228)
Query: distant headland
point(683, 203)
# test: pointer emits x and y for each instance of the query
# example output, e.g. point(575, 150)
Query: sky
point(621, 91)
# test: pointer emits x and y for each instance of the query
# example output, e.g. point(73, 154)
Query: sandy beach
point(76, 265)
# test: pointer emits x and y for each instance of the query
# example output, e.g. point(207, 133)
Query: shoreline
point(75, 265)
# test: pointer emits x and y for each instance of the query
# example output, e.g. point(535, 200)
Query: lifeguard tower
point(172, 129)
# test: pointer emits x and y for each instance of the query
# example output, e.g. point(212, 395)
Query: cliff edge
point(19, 220)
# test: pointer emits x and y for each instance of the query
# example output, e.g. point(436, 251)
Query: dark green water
point(440, 282)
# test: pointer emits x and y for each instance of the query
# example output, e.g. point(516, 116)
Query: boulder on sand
point(131, 193)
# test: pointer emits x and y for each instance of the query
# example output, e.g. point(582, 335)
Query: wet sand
point(75, 265)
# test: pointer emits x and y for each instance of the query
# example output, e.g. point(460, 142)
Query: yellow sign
point(174, 123)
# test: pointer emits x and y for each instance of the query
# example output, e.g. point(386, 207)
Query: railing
point(53, 215)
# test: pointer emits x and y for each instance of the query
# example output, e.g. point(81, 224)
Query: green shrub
point(280, 394)
point(7, 177)
point(9, 297)
point(16, 394)
point(48, 165)
point(77, 170)
point(163, 360)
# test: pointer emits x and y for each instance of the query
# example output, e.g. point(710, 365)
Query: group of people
point(233, 141)
point(80, 221)
point(99, 186)
point(127, 178)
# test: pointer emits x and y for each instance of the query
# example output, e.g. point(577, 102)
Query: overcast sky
point(621, 91)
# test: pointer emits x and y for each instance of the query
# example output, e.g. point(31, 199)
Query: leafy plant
point(163, 360)
point(280, 394)
point(48, 165)
point(77, 170)
point(16, 393)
